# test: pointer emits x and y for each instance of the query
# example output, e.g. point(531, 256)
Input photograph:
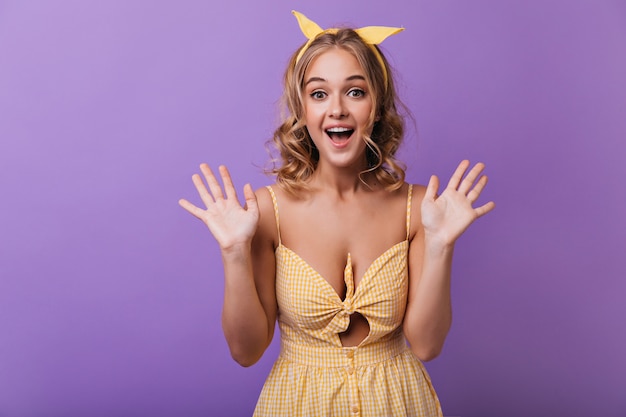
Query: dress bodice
point(311, 312)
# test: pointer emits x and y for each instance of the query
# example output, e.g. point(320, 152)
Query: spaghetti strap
point(275, 203)
point(408, 212)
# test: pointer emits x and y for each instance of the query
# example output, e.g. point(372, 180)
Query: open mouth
point(339, 134)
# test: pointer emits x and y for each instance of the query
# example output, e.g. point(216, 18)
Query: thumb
point(251, 203)
point(431, 189)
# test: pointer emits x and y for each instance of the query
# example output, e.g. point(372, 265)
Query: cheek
point(313, 113)
point(365, 110)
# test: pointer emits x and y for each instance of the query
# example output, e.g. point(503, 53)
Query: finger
point(229, 188)
point(455, 179)
point(202, 191)
point(474, 193)
point(484, 209)
point(196, 211)
point(469, 179)
point(431, 189)
point(214, 185)
point(250, 196)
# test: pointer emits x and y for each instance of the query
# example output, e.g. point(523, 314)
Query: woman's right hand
point(230, 223)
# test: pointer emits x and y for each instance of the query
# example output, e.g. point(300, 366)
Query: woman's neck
point(343, 182)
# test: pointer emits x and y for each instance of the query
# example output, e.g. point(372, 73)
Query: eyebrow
point(320, 79)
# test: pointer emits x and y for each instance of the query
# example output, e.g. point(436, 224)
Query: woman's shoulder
point(269, 194)
point(267, 226)
point(416, 192)
point(264, 192)
point(417, 195)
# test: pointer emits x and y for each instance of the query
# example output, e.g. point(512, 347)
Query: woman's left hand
point(447, 216)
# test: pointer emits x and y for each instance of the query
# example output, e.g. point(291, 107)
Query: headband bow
point(371, 35)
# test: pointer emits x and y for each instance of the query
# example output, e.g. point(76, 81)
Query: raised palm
point(229, 222)
point(448, 215)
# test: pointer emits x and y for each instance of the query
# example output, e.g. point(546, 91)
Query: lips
point(339, 135)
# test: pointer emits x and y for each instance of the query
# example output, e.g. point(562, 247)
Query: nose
point(337, 108)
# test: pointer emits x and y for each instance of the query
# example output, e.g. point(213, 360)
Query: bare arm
point(246, 244)
point(443, 219)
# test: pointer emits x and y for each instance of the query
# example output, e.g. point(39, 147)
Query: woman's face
point(337, 107)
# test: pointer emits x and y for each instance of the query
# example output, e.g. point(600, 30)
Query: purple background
point(110, 294)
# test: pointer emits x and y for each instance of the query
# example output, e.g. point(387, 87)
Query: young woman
point(352, 261)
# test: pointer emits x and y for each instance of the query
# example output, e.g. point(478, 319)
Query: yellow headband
point(371, 35)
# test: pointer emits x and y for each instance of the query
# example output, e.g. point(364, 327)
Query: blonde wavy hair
point(298, 155)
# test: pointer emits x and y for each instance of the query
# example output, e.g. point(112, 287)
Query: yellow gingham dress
point(314, 374)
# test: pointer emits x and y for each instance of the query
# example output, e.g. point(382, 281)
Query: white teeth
point(338, 129)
